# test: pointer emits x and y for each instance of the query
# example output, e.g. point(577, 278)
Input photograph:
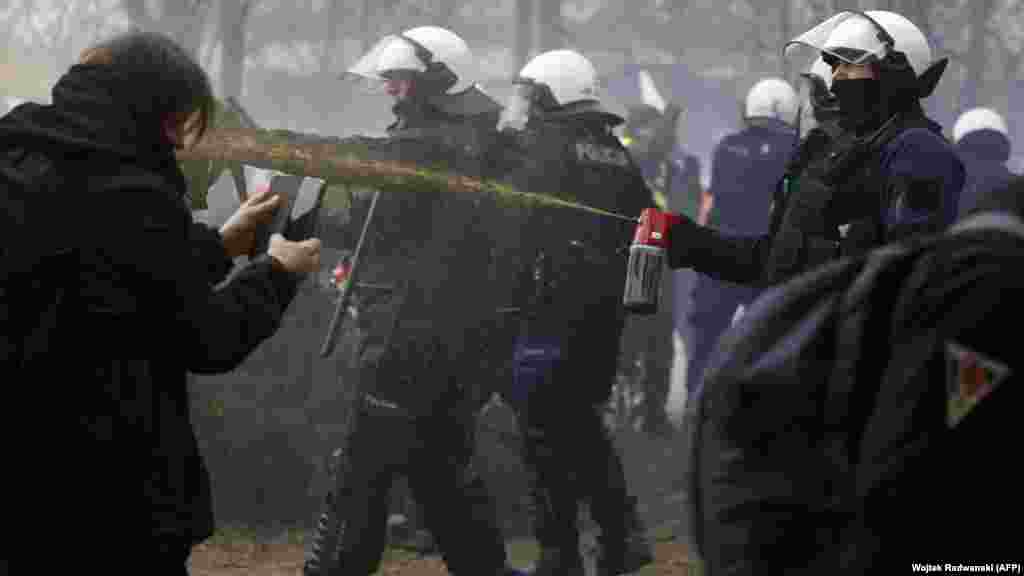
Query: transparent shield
point(364, 85)
point(850, 37)
point(389, 54)
point(517, 107)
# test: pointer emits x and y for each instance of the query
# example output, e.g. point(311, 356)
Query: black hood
point(95, 112)
point(987, 145)
point(768, 124)
point(1008, 198)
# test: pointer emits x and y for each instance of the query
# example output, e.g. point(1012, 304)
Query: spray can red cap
point(646, 261)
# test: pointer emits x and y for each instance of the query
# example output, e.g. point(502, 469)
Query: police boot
point(553, 508)
point(558, 562)
point(345, 540)
point(485, 537)
point(326, 547)
point(625, 547)
point(628, 553)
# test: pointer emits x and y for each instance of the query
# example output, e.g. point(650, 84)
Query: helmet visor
point(850, 37)
point(390, 54)
point(517, 107)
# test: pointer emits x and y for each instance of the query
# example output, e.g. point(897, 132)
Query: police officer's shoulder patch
point(970, 378)
point(589, 152)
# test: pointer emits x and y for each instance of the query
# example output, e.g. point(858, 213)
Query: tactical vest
point(573, 260)
point(833, 206)
point(423, 271)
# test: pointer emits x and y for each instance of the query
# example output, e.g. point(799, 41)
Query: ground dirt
point(285, 559)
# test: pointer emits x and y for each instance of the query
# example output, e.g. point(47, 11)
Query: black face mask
point(859, 100)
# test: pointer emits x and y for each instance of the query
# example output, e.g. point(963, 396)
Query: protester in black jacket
point(121, 461)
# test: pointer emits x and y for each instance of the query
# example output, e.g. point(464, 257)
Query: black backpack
point(39, 261)
point(794, 432)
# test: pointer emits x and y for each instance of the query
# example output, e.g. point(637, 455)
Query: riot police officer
point(983, 143)
point(412, 334)
point(427, 71)
point(568, 344)
point(888, 174)
point(745, 167)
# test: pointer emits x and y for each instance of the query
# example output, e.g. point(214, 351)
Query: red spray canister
point(647, 260)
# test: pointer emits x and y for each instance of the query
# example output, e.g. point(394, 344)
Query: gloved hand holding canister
point(647, 260)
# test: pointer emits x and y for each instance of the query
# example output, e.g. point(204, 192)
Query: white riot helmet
point(772, 98)
point(12, 102)
point(436, 55)
point(556, 80)
point(821, 70)
point(874, 36)
point(978, 119)
point(569, 76)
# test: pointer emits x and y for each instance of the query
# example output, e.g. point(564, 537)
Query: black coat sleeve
point(213, 330)
point(727, 257)
point(207, 247)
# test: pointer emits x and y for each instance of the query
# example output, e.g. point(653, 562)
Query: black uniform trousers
point(433, 453)
point(572, 457)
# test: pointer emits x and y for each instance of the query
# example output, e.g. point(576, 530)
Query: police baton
point(346, 293)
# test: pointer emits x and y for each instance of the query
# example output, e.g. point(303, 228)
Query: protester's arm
point(207, 248)
point(215, 329)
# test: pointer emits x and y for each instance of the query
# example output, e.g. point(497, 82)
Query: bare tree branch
point(978, 16)
point(234, 14)
point(333, 14)
point(138, 11)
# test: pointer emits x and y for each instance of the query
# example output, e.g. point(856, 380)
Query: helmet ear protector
point(537, 95)
point(438, 78)
point(820, 96)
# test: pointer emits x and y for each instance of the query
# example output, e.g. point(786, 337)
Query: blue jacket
point(985, 155)
point(745, 169)
point(916, 179)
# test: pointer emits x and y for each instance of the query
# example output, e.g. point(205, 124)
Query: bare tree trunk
point(446, 12)
point(138, 11)
point(840, 5)
point(1013, 62)
point(550, 31)
point(677, 10)
point(978, 15)
point(785, 33)
point(207, 56)
point(919, 12)
point(233, 16)
point(179, 19)
point(366, 35)
point(524, 32)
point(333, 13)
